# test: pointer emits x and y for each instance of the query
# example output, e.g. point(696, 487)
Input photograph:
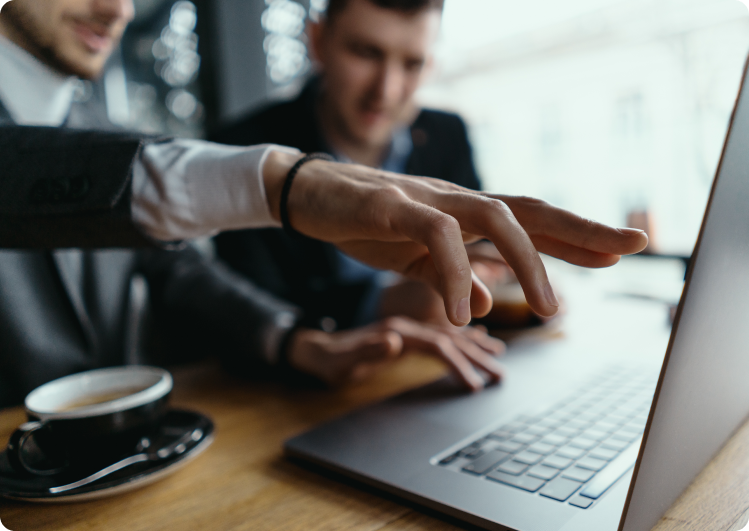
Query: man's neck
point(335, 135)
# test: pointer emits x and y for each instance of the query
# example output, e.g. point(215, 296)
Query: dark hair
point(406, 6)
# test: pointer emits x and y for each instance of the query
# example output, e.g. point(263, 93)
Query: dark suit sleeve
point(442, 150)
point(67, 188)
point(202, 308)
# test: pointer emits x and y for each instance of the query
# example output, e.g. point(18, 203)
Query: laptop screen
point(702, 396)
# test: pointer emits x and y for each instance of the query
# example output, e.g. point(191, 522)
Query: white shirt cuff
point(186, 189)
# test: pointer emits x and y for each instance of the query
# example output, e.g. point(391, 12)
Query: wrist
point(275, 169)
point(301, 348)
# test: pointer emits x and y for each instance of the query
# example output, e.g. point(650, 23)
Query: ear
point(316, 35)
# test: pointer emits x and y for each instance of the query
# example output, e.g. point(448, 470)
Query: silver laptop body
point(435, 445)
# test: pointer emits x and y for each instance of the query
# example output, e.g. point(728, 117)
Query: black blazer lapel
point(69, 264)
point(5, 117)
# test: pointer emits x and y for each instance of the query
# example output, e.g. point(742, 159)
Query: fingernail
point(550, 297)
point(463, 311)
point(629, 231)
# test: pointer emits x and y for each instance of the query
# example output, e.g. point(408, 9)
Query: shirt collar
point(32, 92)
point(397, 155)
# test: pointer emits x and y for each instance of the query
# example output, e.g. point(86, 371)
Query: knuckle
point(443, 226)
point(443, 342)
point(392, 323)
point(532, 201)
point(387, 194)
point(490, 208)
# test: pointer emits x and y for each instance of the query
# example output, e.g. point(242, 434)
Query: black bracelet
point(287, 187)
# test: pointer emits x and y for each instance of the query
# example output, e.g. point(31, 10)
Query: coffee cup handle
point(15, 450)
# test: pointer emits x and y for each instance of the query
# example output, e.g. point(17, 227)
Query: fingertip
point(551, 298)
point(639, 238)
point(481, 297)
point(477, 384)
point(393, 344)
point(499, 348)
point(463, 312)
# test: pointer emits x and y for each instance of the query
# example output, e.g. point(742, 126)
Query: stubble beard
point(28, 36)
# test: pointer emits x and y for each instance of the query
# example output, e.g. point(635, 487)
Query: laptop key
point(529, 458)
point(500, 435)
point(543, 472)
point(626, 436)
point(521, 482)
point(513, 427)
point(538, 430)
point(615, 444)
point(513, 467)
point(603, 453)
point(486, 462)
point(584, 443)
point(606, 425)
point(541, 448)
point(555, 439)
point(579, 501)
point(592, 464)
point(578, 474)
point(571, 452)
point(611, 474)
point(595, 434)
point(470, 449)
point(555, 461)
point(550, 423)
point(525, 438)
point(510, 447)
point(567, 432)
point(449, 459)
point(476, 452)
point(560, 489)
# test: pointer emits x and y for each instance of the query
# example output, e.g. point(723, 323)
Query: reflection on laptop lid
point(602, 448)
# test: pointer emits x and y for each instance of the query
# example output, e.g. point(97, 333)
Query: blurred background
point(610, 108)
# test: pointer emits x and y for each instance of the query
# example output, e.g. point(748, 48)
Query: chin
point(83, 68)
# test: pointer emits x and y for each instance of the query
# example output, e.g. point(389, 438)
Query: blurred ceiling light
point(176, 50)
point(286, 54)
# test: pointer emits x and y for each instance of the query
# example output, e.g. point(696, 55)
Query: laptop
point(574, 441)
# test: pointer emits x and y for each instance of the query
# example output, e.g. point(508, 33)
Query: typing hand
point(353, 355)
point(418, 226)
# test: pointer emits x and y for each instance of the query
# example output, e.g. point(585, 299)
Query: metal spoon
point(177, 447)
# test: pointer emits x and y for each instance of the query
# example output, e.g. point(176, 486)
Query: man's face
point(73, 36)
point(372, 61)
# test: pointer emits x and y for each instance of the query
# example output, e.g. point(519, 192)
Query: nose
point(113, 11)
point(390, 83)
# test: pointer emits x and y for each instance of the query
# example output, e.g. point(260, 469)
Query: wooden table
point(242, 482)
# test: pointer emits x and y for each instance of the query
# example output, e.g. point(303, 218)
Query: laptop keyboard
point(571, 452)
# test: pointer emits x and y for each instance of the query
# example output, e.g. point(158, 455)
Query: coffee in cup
point(88, 418)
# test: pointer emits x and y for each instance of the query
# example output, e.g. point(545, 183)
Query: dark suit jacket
point(307, 272)
point(65, 311)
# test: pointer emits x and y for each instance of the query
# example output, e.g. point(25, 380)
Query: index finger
point(543, 219)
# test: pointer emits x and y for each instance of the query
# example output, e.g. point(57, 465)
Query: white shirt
point(182, 189)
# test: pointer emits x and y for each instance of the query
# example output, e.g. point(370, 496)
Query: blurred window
point(601, 106)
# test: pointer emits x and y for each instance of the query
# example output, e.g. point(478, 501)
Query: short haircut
point(405, 6)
